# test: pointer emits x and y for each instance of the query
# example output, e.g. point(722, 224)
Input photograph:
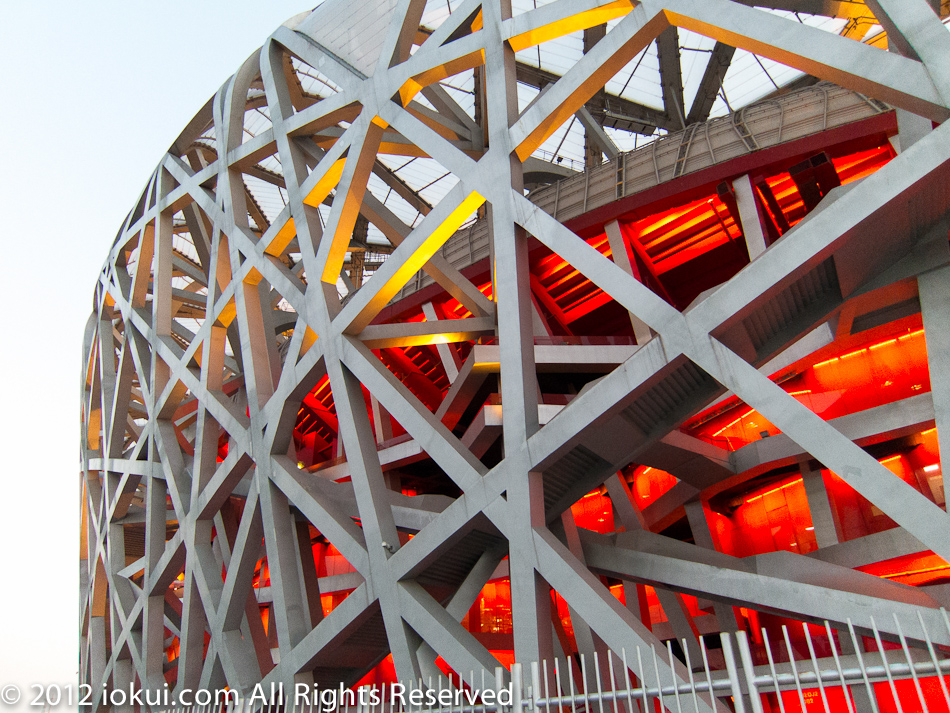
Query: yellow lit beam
point(349, 196)
point(309, 339)
point(418, 82)
point(414, 262)
point(413, 334)
point(566, 25)
point(589, 86)
point(227, 314)
point(280, 241)
point(326, 183)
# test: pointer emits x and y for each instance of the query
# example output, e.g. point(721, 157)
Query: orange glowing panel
point(880, 371)
point(331, 601)
point(771, 518)
point(813, 700)
point(594, 512)
point(916, 569)
point(741, 430)
point(683, 233)
point(619, 595)
point(491, 612)
point(863, 163)
point(796, 481)
point(651, 230)
point(382, 673)
point(505, 657)
point(650, 484)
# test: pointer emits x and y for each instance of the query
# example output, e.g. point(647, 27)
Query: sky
point(95, 93)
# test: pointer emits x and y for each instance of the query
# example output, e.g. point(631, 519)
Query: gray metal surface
point(814, 682)
point(786, 118)
point(213, 321)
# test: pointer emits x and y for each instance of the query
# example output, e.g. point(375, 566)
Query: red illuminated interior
point(678, 251)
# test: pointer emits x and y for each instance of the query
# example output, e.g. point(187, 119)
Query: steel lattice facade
point(698, 386)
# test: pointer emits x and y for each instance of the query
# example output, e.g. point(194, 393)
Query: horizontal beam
point(412, 334)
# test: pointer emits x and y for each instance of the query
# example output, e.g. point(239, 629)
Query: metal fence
point(860, 673)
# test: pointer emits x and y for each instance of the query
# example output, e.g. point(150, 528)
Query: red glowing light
point(774, 490)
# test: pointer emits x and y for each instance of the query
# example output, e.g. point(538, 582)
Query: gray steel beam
point(596, 134)
point(716, 68)
point(778, 581)
point(142, 362)
point(671, 75)
point(822, 514)
point(934, 303)
point(646, 118)
point(749, 216)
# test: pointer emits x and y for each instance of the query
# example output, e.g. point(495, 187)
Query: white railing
point(850, 679)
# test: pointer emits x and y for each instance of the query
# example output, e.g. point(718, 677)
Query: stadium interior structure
point(455, 333)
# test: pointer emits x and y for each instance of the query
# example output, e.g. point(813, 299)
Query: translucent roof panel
point(461, 87)
point(437, 11)
point(639, 81)
point(695, 50)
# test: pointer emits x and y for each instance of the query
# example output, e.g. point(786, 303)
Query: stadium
point(456, 337)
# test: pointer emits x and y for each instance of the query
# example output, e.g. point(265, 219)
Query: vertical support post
point(588, 643)
point(593, 140)
point(934, 289)
point(382, 421)
point(376, 515)
point(733, 672)
point(749, 216)
point(535, 689)
point(154, 614)
point(618, 247)
point(447, 354)
point(499, 686)
point(530, 593)
point(97, 648)
point(123, 674)
point(822, 515)
point(749, 669)
point(517, 703)
point(702, 536)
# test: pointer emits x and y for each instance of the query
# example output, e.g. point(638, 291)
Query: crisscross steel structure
point(274, 489)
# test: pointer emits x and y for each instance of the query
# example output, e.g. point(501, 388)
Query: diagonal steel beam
point(711, 83)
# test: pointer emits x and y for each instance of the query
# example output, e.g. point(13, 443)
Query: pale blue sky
point(94, 94)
